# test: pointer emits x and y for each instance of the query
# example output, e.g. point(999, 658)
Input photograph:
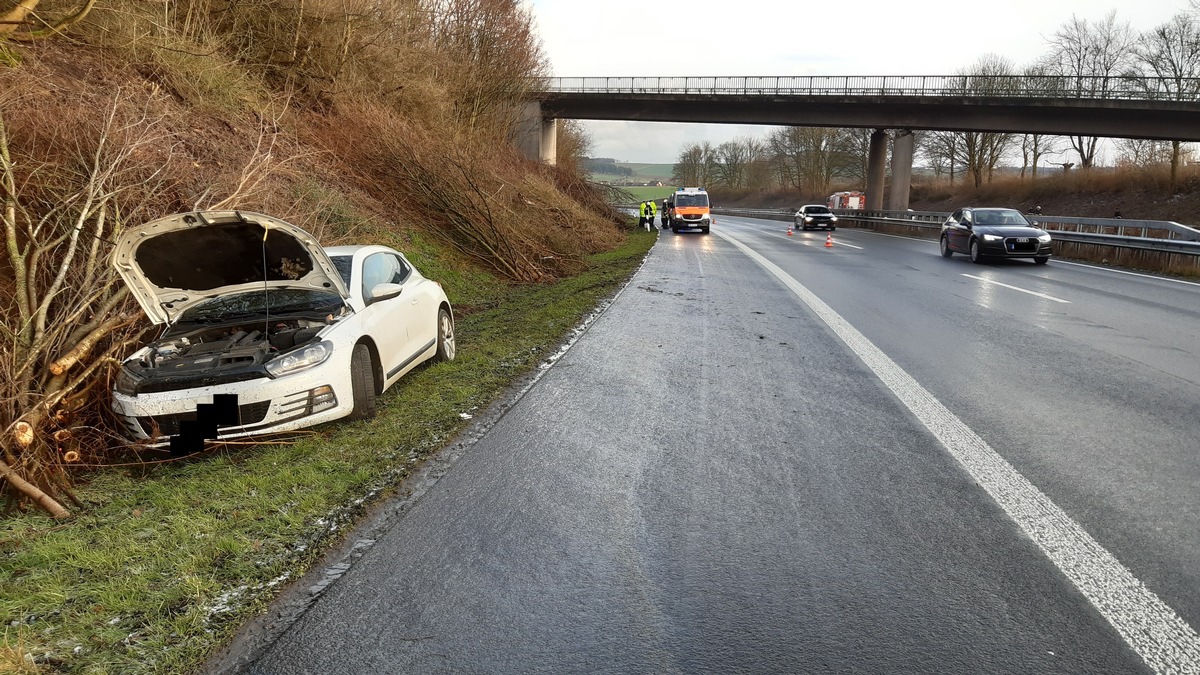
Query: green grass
point(166, 561)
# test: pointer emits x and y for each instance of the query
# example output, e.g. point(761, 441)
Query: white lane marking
point(1149, 626)
point(997, 283)
point(842, 243)
point(1057, 261)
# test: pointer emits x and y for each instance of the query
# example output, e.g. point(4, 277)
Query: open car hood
point(176, 262)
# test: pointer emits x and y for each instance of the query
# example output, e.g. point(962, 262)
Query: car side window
point(966, 218)
point(382, 268)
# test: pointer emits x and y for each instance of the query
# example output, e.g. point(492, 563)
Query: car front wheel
point(446, 348)
point(362, 379)
point(946, 252)
point(975, 257)
point(1042, 259)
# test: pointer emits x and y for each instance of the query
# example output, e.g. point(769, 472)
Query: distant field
point(655, 193)
point(651, 171)
point(642, 173)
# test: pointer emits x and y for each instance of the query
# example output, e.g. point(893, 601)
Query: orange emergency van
point(690, 210)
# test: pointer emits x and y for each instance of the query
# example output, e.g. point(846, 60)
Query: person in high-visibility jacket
point(663, 214)
point(650, 215)
point(642, 215)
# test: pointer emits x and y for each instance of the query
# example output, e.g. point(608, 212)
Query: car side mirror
point(384, 292)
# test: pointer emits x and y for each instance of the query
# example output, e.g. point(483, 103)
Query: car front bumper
point(303, 399)
point(1010, 249)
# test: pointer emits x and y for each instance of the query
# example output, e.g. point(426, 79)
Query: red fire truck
point(847, 200)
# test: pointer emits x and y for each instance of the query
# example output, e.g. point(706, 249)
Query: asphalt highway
point(770, 456)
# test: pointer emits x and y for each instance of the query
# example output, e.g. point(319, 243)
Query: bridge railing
point(933, 86)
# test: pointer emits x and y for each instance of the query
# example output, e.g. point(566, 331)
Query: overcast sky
point(794, 37)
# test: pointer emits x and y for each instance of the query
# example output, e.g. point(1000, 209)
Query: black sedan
point(994, 233)
point(813, 216)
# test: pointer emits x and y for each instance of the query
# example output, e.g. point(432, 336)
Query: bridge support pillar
point(902, 159)
point(876, 170)
point(536, 136)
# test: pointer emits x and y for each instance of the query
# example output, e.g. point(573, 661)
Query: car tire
point(1042, 259)
point(946, 252)
point(446, 347)
point(704, 231)
point(833, 229)
point(975, 256)
point(675, 230)
point(362, 379)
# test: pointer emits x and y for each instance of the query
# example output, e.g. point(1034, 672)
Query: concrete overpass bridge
point(1115, 107)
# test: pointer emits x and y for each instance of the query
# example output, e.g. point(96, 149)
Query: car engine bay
point(214, 355)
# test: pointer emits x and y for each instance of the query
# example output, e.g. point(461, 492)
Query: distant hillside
point(628, 173)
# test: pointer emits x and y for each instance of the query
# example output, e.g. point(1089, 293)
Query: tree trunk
point(32, 491)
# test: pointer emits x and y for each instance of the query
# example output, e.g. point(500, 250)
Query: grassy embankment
point(169, 559)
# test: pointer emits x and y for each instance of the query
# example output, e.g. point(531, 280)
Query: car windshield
point(277, 300)
point(816, 209)
point(343, 263)
point(1000, 217)
point(685, 199)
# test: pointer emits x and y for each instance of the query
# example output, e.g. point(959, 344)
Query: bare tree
point(807, 157)
point(758, 163)
point(732, 159)
point(941, 151)
point(1033, 148)
point(572, 144)
point(979, 152)
point(696, 165)
point(1142, 153)
point(1171, 53)
point(68, 314)
point(855, 146)
point(1090, 56)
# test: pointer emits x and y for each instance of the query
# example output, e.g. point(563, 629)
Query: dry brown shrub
point(482, 200)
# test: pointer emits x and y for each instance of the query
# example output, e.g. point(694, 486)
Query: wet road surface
point(713, 480)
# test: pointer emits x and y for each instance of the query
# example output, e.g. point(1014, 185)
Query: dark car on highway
point(813, 216)
point(994, 233)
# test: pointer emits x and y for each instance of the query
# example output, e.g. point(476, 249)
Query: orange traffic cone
point(789, 230)
point(829, 240)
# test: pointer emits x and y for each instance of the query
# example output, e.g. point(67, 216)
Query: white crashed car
point(253, 307)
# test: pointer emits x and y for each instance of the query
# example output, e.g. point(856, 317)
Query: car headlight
point(126, 382)
point(808, 219)
point(833, 219)
point(1043, 238)
point(307, 357)
point(992, 237)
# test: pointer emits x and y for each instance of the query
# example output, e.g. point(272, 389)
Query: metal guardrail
point(1177, 238)
point(1122, 88)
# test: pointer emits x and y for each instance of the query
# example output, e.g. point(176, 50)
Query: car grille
point(173, 383)
point(168, 425)
point(691, 216)
point(1016, 245)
